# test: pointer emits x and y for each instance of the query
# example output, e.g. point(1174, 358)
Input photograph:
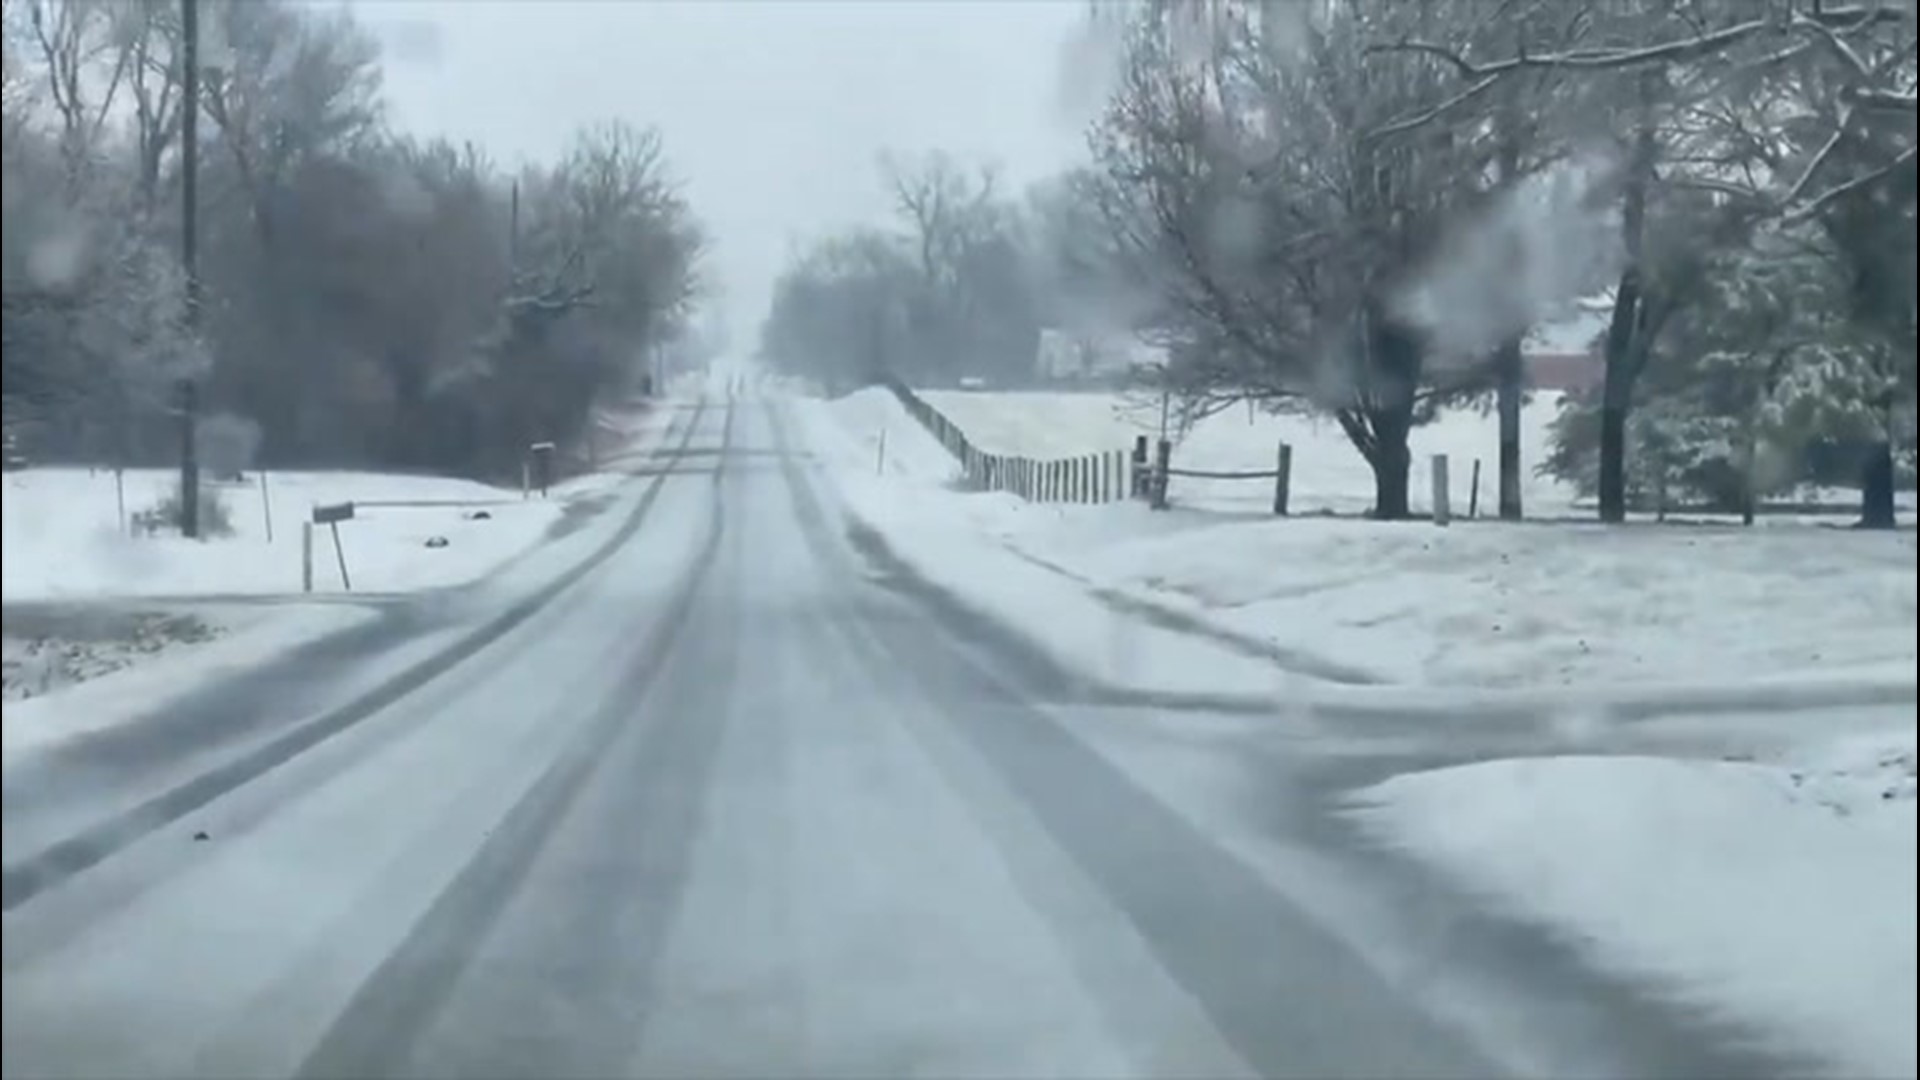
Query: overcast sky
point(772, 111)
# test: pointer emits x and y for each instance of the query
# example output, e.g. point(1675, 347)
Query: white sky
point(773, 111)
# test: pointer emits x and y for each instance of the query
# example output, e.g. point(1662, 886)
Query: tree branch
point(1864, 180)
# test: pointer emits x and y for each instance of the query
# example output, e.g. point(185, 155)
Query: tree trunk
point(1512, 374)
point(1626, 345)
point(1613, 460)
point(1616, 397)
point(1391, 464)
point(1876, 488)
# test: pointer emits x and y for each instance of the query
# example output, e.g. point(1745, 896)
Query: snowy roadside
point(64, 540)
point(904, 498)
point(71, 533)
point(1778, 891)
point(101, 627)
point(113, 693)
point(1734, 860)
point(43, 650)
point(1480, 607)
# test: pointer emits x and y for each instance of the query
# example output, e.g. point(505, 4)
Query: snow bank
point(1780, 893)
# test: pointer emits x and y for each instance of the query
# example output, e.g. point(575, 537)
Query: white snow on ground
point(1499, 604)
point(103, 684)
point(251, 637)
point(1328, 474)
point(43, 660)
point(68, 531)
point(1481, 603)
point(64, 539)
point(1778, 892)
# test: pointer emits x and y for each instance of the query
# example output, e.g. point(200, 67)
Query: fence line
point(1111, 476)
point(1100, 477)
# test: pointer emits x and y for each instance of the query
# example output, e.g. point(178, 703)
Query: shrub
point(165, 515)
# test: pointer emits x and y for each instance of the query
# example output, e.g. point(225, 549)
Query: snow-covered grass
point(1500, 604)
point(248, 636)
point(42, 659)
point(1481, 603)
point(64, 538)
point(67, 531)
point(1778, 892)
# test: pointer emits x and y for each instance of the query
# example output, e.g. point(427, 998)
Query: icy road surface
point(733, 802)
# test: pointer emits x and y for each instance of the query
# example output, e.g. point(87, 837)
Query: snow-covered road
point(730, 801)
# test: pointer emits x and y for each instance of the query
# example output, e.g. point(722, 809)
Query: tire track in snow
point(378, 1031)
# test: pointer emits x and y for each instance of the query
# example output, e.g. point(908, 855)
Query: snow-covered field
point(1327, 474)
point(1482, 603)
point(64, 537)
point(1778, 891)
point(70, 533)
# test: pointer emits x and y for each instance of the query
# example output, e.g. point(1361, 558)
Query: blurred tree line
point(369, 299)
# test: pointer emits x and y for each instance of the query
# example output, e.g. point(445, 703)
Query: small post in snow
point(1473, 493)
point(331, 517)
point(1282, 479)
point(306, 556)
point(880, 455)
point(120, 494)
point(1139, 473)
point(340, 556)
point(266, 505)
point(1441, 511)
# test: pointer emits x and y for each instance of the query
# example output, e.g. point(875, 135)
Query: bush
point(165, 515)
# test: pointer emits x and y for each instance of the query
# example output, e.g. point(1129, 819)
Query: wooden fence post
point(1442, 512)
point(1282, 479)
point(1139, 488)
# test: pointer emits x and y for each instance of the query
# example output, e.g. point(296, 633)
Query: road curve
point(724, 804)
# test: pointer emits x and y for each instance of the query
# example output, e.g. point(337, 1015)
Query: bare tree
point(1286, 236)
point(73, 38)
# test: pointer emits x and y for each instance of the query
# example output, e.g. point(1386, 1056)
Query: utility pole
point(513, 236)
point(189, 258)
